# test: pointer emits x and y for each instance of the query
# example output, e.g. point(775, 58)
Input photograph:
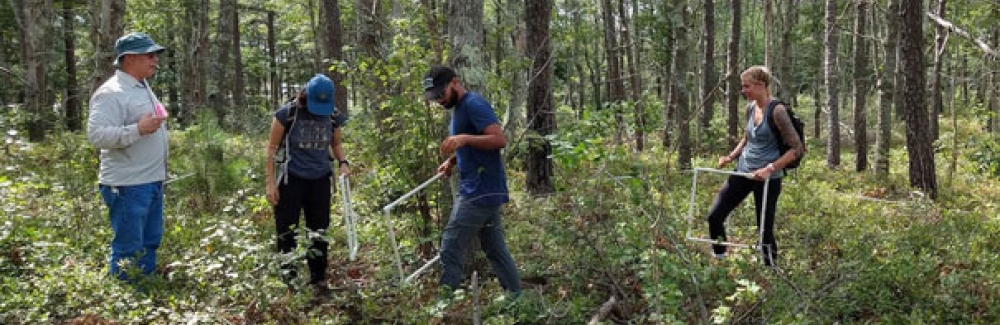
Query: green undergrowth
point(854, 250)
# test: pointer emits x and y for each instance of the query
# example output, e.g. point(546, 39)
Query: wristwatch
point(345, 162)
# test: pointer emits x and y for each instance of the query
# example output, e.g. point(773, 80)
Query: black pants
point(733, 192)
point(311, 196)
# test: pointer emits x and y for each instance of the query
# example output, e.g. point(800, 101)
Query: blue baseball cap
point(319, 95)
point(135, 43)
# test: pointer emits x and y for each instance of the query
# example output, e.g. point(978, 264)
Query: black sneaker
point(321, 293)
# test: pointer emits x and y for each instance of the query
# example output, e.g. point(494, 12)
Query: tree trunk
point(709, 80)
point(370, 24)
point(239, 84)
point(335, 51)
point(616, 85)
point(196, 56)
point(733, 70)
point(768, 22)
point(109, 26)
point(541, 110)
point(220, 101)
point(73, 116)
point(514, 116)
point(918, 142)
point(34, 17)
point(831, 79)
point(935, 87)
point(272, 63)
point(993, 96)
point(678, 69)
point(5, 85)
point(466, 37)
point(887, 91)
point(631, 47)
point(787, 88)
point(861, 84)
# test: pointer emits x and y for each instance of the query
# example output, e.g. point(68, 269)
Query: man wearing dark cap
point(475, 140)
point(126, 124)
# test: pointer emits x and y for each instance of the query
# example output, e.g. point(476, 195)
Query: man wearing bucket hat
point(126, 124)
point(474, 146)
point(305, 136)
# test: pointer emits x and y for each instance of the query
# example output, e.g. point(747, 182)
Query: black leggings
point(733, 192)
point(313, 197)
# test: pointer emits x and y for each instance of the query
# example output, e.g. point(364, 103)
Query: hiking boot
point(321, 293)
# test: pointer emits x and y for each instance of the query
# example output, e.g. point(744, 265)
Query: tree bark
point(861, 85)
point(732, 66)
point(710, 78)
point(5, 85)
point(918, 142)
point(678, 69)
point(937, 102)
point(632, 49)
point(466, 37)
point(787, 88)
point(272, 63)
point(831, 79)
point(109, 26)
point(34, 18)
point(514, 116)
point(541, 110)
point(887, 86)
point(768, 22)
point(616, 85)
point(334, 33)
point(221, 100)
point(73, 116)
point(196, 56)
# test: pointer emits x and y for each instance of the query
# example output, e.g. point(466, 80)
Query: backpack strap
point(284, 152)
point(769, 113)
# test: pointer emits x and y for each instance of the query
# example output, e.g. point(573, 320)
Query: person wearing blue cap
point(127, 124)
point(305, 137)
point(474, 147)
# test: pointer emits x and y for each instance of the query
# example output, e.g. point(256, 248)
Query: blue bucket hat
point(319, 95)
point(135, 43)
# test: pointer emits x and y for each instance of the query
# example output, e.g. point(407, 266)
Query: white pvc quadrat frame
point(350, 217)
point(386, 211)
point(763, 211)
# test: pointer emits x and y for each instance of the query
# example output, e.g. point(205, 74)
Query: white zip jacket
point(127, 158)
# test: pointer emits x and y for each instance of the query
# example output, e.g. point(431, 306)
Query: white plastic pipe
point(350, 217)
point(387, 211)
point(422, 269)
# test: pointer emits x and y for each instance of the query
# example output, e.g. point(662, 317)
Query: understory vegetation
point(853, 250)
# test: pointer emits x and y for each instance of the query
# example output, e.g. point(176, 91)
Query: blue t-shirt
point(308, 142)
point(482, 180)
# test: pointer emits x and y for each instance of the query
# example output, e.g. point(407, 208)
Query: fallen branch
point(603, 311)
point(955, 29)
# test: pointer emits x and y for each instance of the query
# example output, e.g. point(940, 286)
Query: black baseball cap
point(436, 80)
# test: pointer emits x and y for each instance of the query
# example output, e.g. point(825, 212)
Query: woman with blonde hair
point(758, 154)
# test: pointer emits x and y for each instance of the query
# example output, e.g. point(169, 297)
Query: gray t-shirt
point(761, 147)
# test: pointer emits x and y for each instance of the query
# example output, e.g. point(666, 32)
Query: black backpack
point(799, 129)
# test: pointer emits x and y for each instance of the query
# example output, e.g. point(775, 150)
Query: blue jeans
point(468, 219)
point(136, 214)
